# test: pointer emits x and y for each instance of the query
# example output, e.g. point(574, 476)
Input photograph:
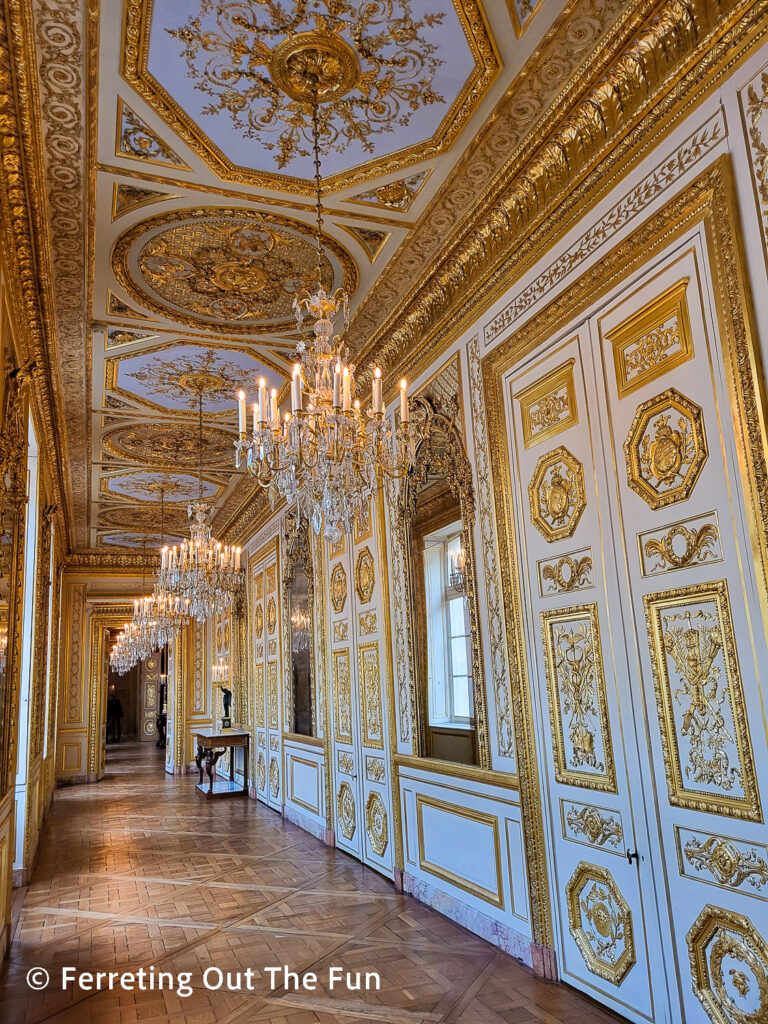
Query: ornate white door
point(694, 614)
point(362, 787)
point(605, 897)
point(266, 652)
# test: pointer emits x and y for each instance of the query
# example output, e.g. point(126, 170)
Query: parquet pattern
point(140, 870)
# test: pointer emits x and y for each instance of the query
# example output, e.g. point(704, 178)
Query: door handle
point(633, 855)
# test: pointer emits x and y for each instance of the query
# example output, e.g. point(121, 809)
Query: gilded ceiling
point(181, 228)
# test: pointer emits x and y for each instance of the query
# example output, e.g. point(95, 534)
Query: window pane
point(462, 704)
point(458, 656)
point(457, 620)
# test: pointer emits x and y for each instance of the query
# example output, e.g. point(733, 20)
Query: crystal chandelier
point(325, 456)
point(300, 623)
point(201, 573)
point(123, 655)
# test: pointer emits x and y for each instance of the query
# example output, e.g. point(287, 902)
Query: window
point(448, 634)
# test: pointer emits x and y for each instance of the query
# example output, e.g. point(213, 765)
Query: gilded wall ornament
point(370, 685)
point(259, 620)
point(566, 574)
point(274, 742)
point(592, 825)
point(652, 341)
point(271, 615)
point(346, 762)
point(365, 575)
point(372, 240)
point(261, 772)
point(376, 823)
point(374, 768)
point(367, 623)
point(338, 588)
point(729, 864)
point(556, 494)
point(168, 444)
point(548, 406)
point(700, 701)
point(666, 449)
point(395, 195)
point(340, 630)
point(729, 965)
point(600, 922)
point(364, 523)
point(137, 140)
point(215, 265)
point(271, 575)
point(258, 695)
point(342, 696)
point(679, 547)
point(577, 698)
point(345, 807)
point(754, 104)
point(274, 777)
point(273, 702)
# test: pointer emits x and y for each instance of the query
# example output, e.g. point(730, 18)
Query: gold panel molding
point(652, 341)
point(376, 826)
point(370, 685)
point(346, 811)
point(700, 701)
point(600, 922)
point(730, 863)
point(665, 449)
point(577, 698)
point(338, 588)
point(556, 494)
point(342, 696)
point(274, 778)
point(365, 575)
point(273, 697)
point(566, 574)
point(592, 826)
point(271, 615)
point(548, 406)
point(729, 967)
point(258, 624)
point(682, 545)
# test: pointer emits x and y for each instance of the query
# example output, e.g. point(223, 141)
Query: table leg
point(210, 761)
point(246, 761)
point(199, 762)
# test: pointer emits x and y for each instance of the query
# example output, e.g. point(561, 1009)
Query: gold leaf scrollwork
point(600, 922)
point(729, 965)
point(271, 615)
point(261, 772)
point(346, 762)
point(728, 865)
point(578, 573)
point(376, 824)
point(274, 778)
point(595, 826)
point(697, 546)
point(259, 620)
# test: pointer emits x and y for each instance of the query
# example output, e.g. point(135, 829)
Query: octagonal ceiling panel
point(149, 486)
point(165, 444)
point(209, 68)
point(173, 376)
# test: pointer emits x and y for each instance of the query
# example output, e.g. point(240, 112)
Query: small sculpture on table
point(221, 679)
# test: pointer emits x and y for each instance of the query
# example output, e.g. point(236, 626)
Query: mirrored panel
point(301, 652)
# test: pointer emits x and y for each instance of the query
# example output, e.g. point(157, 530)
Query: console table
point(213, 744)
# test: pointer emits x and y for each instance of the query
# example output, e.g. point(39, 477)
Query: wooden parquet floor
point(140, 871)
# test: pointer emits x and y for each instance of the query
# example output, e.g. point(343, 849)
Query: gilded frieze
point(556, 494)
point(566, 574)
point(682, 545)
point(729, 967)
point(338, 588)
point(730, 863)
point(342, 696)
point(600, 922)
point(754, 106)
point(548, 406)
point(234, 266)
point(365, 575)
point(346, 812)
point(653, 340)
point(370, 686)
point(577, 698)
point(700, 701)
point(592, 826)
point(665, 449)
point(376, 826)
point(135, 139)
point(273, 696)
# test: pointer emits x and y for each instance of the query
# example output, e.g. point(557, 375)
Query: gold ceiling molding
point(639, 87)
point(168, 444)
point(127, 197)
point(22, 217)
point(106, 561)
point(134, 69)
point(708, 201)
point(215, 265)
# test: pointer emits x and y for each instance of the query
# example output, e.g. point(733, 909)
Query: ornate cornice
point(101, 561)
point(646, 75)
point(22, 217)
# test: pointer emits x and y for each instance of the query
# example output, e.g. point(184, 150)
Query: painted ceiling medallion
point(238, 267)
point(167, 443)
point(149, 485)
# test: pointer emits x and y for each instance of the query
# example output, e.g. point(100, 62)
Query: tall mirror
point(437, 513)
point(299, 590)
